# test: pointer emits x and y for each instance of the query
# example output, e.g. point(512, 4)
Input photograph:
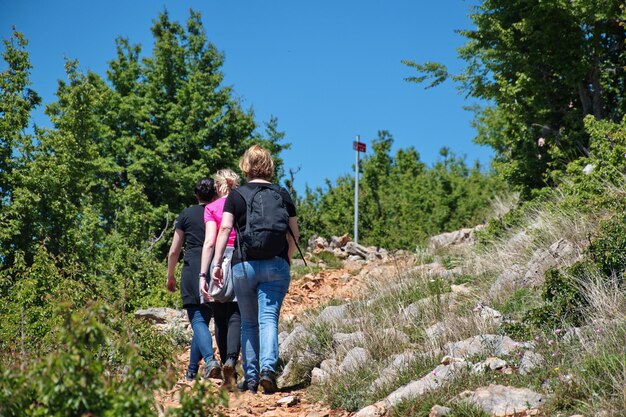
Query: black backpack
point(267, 223)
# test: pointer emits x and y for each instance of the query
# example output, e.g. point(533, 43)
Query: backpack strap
point(297, 246)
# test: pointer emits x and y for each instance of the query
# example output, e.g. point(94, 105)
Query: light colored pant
point(261, 286)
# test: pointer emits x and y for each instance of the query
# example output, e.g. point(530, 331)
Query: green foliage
point(401, 200)
point(201, 401)
point(608, 250)
point(80, 377)
point(328, 258)
point(542, 67)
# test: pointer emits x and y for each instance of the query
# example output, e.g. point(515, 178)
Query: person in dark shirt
point(260, 284)
point(189, 231)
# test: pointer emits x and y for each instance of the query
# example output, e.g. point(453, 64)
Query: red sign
point(358, 146)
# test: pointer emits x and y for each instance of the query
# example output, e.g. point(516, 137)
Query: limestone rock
point(293, 343)
point(487, 344)
point(500, 400)
point(160, 315)
point(399, 364)
point(288, 401)
point(333, 314)
point(507, 280)
point(355, 358)
point(561, 253)
point(495, 363)
point(439, 411)
point(347, 341)
point(529, 361)
point(442, 374)
point(375, 410)
point(463, 236)
point(337, 242)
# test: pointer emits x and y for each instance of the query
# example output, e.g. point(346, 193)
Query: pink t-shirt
point(213, 212)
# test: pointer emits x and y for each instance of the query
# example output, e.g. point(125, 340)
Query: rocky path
point(305, 293)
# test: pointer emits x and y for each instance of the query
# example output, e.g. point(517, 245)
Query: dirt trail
point(305, 293)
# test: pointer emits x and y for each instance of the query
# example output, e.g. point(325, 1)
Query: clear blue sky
point(328, 70)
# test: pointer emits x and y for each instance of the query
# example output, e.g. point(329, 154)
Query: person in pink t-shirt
point(226, 315)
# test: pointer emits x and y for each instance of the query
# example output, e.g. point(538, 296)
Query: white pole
point(356, 193)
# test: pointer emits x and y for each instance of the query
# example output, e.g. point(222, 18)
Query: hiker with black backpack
point(264, 217)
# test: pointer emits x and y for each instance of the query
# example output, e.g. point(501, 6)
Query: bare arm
point(207, 254)
point(172, 258)
point(222, 240)
point(293, 224)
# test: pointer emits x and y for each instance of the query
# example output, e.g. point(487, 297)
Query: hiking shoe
point(251, 386)
point(268, 381)
point(190, 375)
point(230, 376)
point(212, 370)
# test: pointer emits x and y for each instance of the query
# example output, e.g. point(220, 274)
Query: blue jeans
point(260, 287)
point(201, 343)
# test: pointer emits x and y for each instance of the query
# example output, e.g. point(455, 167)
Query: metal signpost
point(358, 147)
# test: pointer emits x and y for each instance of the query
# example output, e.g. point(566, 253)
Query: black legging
point(227, 329)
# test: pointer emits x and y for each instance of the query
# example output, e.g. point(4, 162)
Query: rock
point(287, 376)
point(340, 253)
point(329, 366)
point(529, 361)
point(333, 315)
point(506, 281)
point(318, 376)
point(399, 364)
point(388, 375)
point(439, 411)
point(395, 335)
point(436, 330)
point(347, 341)
point(479, 368)
point(500, 400)
point(459, 237)
point(487, 344)
point(447, 360)
point(355, 358)
point(293, 343)
point(461, 289)
point(489, 314)
point(376, 410)
point(588, 169)
point(288, 401)
point(281, 337)
point(160, 315)
point(339, 242)
point(561, 253)
point(439, 376)
point(354, 249)
point(317, 243)
point(495, 363)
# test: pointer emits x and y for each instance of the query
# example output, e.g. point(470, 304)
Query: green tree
point(541, 67)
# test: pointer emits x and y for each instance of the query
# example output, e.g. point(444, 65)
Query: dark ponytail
point(205, 189)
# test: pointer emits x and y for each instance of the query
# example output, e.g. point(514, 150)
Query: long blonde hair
point(226, 180)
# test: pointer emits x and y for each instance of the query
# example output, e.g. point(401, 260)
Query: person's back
point(191, 222)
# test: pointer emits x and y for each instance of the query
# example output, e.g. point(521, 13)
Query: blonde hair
point(226, 180)
point(257, 162)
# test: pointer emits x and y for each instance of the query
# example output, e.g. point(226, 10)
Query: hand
point(218, 275)
point(204, 289)
point(218, 282)
point(171, 284)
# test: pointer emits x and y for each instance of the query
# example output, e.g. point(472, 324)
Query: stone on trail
point(288, 401)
